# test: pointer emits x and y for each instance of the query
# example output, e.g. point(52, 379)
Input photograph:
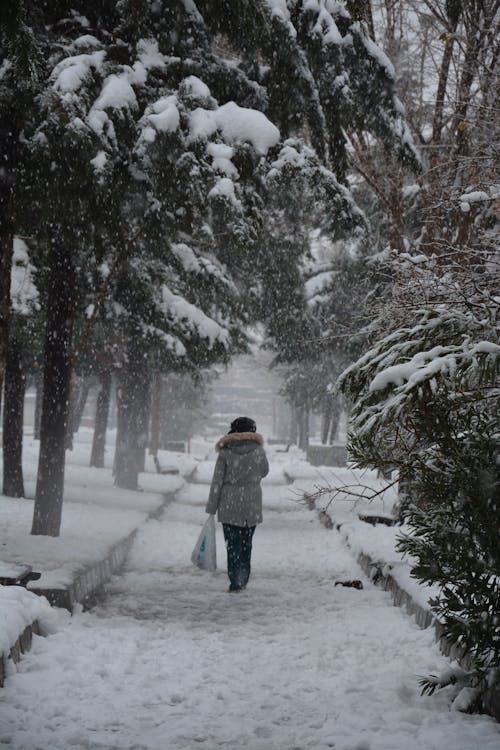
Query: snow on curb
point(22, 614)
point(391, 577)
point(89, 581)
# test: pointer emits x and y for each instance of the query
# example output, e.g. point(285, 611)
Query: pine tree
point(20, 70)
point(174, 142)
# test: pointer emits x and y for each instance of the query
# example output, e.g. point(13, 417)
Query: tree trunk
point(74, 389)
point(101, 420)
point(15, 386)
point(56, 391)
point(143, 426)
point(37, 418)
point(82, 403)
point(80, 388)
point(154, 439)
point(437, 121)
point(326, 419)
point(293, 436)
point(304, 427)
point(132, 380)
point(335, 419)
point(10, 125)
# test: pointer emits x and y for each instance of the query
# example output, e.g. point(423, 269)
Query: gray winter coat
point(235, 492)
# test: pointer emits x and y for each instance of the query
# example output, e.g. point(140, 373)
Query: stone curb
point(82, 590)
point(379, 573)
point(87, 583)
point(90, 581)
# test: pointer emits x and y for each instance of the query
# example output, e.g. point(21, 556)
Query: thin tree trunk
point(437, 122)
point(37, 418)
point(304, 427)
point(101, 420)
point(154, 439)
point(326, 419)
point(15, 386)
point(294, 425)
point(334, 423)
point(56, 387)
point(132, 379)
point(82, 403)
point(10, 125)
point(143, 425)
point(79, 394)
point(74, 389)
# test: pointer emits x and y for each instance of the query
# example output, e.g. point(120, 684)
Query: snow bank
point(86, 537)
point(19, 608)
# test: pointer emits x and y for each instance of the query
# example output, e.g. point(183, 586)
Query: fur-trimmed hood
point(238, 437)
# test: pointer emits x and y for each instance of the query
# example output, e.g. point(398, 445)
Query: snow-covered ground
point(170, 661)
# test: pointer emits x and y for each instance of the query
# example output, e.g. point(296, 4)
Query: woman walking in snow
point(236, 495)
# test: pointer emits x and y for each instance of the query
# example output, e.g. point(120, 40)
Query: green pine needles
point(427, 404)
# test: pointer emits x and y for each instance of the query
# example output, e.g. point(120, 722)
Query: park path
point(170, 661)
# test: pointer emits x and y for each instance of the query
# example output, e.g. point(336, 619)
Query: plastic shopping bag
point(204, 554)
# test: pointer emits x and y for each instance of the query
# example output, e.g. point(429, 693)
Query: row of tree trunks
point(299, 426)
point(132, 436)
point(332, 411)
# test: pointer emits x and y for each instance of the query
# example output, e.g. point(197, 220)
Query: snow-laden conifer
point(426, 403)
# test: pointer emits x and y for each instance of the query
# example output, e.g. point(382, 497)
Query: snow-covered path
point(172, 662)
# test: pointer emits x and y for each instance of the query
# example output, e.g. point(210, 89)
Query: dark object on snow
point(325, 519)
point(351, 584)
point(26, 575)
point(242, 424)
point(374, 520)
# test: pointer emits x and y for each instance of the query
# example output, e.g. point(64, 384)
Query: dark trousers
point(239, 551)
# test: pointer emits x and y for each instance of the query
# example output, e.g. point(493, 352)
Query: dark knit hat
point(243, 424)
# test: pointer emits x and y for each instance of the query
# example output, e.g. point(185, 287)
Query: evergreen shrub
point(426, 403)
